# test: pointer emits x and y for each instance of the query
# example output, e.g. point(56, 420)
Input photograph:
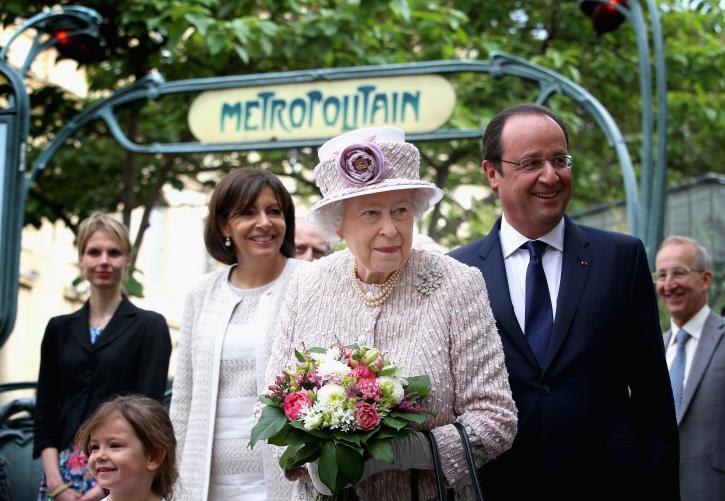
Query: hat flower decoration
point(361, 164)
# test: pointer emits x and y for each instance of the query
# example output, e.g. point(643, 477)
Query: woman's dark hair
point(151, 425)
point(234, 194)
point(491, 142)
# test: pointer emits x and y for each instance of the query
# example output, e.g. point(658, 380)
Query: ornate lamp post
point(606, 16)
point(64, 27)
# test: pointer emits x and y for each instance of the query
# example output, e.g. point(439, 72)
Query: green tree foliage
point(203, 38)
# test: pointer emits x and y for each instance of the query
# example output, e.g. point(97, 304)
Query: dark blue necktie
point(539, 316)
point(677, 369)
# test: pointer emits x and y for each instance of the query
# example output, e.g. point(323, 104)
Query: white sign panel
point(321, 109)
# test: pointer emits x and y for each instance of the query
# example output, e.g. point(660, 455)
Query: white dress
point(237, 472)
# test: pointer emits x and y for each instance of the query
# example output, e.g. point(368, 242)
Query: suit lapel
point(575, 266)
point(494, 272)
point(712, 333)
point(118, 324)
point(79, 328)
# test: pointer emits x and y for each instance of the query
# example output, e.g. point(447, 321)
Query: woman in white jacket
point(225, 341)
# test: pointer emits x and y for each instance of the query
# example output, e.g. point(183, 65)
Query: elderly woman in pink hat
point(427, 312)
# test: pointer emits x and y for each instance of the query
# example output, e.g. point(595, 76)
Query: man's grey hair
point(328, 219)
point(703, 261)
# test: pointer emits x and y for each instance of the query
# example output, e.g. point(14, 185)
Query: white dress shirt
point(516, 261)
point(694, 328)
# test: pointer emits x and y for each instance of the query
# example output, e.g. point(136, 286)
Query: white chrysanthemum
point(393, 387)
point(331, 368)
point(330, 394)
point(331, 354)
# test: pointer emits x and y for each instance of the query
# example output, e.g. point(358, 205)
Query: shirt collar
point(511, 239)
point(693, 326)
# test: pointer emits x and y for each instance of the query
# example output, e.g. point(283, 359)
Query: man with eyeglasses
point(309, 244)
point(577, 315)
point(695, 350)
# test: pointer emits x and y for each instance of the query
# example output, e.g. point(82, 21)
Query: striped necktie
point(677, 369)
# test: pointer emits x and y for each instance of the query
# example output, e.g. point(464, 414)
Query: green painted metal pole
point(659, 184)
point(15, 125)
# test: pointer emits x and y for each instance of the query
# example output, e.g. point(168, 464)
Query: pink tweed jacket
point(449, 334)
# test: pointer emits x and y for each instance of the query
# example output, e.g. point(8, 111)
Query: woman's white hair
point(328, 218)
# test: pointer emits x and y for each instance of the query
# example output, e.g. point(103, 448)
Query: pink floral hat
point(366, 161)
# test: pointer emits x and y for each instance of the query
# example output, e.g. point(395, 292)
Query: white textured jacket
point(449, 334)
point(207, 313)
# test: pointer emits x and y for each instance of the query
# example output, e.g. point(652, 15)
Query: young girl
point(131, 449)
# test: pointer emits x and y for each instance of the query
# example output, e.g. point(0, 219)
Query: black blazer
point(130, 356)
point(597, 421)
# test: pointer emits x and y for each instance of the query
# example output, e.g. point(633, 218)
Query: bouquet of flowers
point(340, 405)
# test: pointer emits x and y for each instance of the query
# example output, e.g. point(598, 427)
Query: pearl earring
point(228, 241)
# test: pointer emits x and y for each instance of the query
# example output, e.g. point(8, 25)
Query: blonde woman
point(108, 347)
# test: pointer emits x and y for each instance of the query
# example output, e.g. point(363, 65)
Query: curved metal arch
point(154, 87)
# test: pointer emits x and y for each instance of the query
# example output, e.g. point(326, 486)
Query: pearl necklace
point(386, 289)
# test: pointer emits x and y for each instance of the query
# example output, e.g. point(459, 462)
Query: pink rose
point(366, 417)
point(362, 372)
point(295, 402)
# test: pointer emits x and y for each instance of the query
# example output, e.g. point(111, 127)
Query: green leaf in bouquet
point(382, 450)
point(419, 385)
point(300, 356)
point(315, 433)
point(388, 370)
point(297, 455)
point(270, 423)
point(317, 349)
point(394, 422)
point(295, 436)
point(416, 417)
point(328, 465)
point(279, 438)
point(387, 432)
point(266, 400)
point(352, 438)
point(350, 464)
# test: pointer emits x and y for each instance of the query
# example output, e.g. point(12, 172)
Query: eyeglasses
point(676, 274)
point(317, 253)
point(558, 162)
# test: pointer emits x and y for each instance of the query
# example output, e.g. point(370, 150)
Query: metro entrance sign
point(238, 104)
point(321, 109)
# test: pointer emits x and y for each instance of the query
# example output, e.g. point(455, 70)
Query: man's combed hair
point(491, 142)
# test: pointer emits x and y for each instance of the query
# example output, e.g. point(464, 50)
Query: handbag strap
point(470, 460)
point(440, 484)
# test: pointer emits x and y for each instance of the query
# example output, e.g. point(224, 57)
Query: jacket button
point(544, 389)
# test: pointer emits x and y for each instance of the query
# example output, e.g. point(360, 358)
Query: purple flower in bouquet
point(407, 406)
point(362, 164)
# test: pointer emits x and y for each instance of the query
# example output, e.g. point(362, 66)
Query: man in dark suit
point(695, 351)
point(577, 315)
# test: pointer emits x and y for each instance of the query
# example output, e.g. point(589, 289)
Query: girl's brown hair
point(151, 425)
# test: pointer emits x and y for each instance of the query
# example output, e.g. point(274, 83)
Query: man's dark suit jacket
point(597, 421)
point(130, 356)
